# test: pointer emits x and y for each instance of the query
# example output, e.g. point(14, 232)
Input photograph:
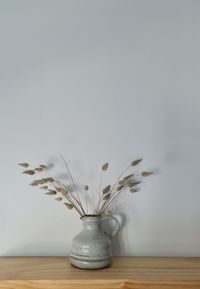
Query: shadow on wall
point(118, 241)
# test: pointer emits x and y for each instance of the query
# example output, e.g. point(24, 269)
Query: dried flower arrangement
point(56, 187)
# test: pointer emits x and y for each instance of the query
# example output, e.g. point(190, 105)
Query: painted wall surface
point(101, 81)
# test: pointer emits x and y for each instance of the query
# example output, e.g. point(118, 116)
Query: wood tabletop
point(125, 272)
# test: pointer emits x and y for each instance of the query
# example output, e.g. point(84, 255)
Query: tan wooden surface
point(125, 272)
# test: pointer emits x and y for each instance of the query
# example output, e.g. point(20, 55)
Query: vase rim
point(90, 216)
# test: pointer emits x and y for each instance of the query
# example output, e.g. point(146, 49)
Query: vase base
point(90, 264)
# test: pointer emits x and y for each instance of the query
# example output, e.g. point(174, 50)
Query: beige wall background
point(101, 81)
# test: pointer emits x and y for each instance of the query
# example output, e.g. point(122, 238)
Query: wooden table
point(125, 272)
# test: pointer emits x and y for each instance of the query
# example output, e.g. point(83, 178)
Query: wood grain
point(125, 272)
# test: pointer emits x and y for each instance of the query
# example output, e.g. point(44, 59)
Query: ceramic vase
point(91, 248)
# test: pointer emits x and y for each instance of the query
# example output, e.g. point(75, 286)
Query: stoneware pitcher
point(91, 248)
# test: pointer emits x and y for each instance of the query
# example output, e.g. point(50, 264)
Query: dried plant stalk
point(127, 177)
point(106, 190)
point(105, 167)
point(51, 192)
point(146, 174)
point(107, 197)
point(136, 162)
point(39, 169)
point(86, 188)
point(55, 187)
point(69, 206)
point(43, 166)
point(77, 194)
point(29, 172)
point(133, 184)
point(58, 199)
point(24, 165)
point(34, 183)
point(120, 188)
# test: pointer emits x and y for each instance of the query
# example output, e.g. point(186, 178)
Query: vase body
point(91, 248)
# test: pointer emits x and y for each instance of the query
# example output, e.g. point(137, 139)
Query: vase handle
point(116, 227)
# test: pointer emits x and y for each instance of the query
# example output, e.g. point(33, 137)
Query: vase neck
point(91, 222)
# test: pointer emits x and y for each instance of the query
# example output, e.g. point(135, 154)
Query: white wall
point(101, 81)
